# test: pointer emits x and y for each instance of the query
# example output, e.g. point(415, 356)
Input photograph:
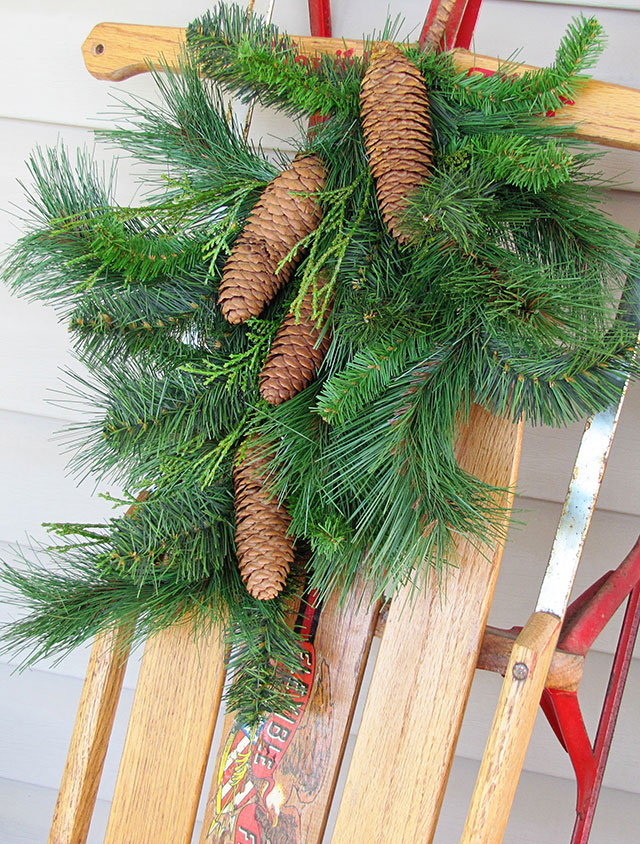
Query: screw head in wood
point(520, 671)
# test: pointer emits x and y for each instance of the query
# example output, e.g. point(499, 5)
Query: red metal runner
point(460, 22)
point(585, 620)
point(320, 18)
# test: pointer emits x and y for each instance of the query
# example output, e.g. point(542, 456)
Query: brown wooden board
point(423, 674)
point(277, 787)
point(603, 113)
point(169, 738)
point(511, 730)
point(90, 739)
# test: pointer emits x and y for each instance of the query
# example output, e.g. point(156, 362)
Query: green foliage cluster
point(507, 296)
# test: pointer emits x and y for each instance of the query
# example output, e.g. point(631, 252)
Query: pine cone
point(284, 214)
point(140, 499)
point(294, 359)
point(265, 552)
point(397, 131)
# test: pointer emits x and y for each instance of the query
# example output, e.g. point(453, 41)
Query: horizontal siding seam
point(39, 787)
point(65, 124)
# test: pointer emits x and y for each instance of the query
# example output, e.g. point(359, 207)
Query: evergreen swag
point(499, 285)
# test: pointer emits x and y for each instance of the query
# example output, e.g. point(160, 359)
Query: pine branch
point(548, 389)
point(458, 201)
point(254, 60)
point(524, 163)
point(145, 420)
point(410, 497)
point(139, 250)
point(370, 372)
point(138, 320)
point(536, 91)
point(264, 653)
point(193, 133)
point(66, 195)
point(67, 608)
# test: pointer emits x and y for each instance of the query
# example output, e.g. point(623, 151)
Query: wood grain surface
point(90, 739)
point(511, 730)
point(118, 51)
point(169, 738)
point(292, 808)
point(603, 113)
point(565, 671)
point(423, 674)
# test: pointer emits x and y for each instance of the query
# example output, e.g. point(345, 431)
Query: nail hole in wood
point(98, 49)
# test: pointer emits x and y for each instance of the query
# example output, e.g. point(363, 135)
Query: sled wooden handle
point(511, 729)
point(604, 113)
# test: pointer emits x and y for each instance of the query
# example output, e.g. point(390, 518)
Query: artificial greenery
point(505, 296)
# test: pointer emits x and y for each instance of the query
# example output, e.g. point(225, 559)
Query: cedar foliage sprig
point(506, 295)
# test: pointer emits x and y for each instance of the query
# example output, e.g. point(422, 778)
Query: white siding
point(46, 94)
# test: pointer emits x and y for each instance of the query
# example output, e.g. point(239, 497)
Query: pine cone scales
point(285, 213)
point(395, 121)
point(265, 552)
point(294, 359)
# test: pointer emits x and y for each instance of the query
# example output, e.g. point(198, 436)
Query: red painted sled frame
point(586, 618)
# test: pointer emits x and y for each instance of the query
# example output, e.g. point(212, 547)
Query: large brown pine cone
point(295, 356)
point(265, 552)
point(285, 213)
point(397, 131)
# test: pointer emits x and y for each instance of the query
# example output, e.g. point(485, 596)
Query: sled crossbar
point(603, 113)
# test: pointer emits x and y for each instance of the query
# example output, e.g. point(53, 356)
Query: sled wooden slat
point(168, 739)
point(88, 748)
point(511, 729)
point(603, 113)
point(423, 674)
point(305, 781)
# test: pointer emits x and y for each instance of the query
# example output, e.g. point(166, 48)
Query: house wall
point(45, 96)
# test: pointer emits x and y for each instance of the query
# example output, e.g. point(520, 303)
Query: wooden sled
point(280, 788)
